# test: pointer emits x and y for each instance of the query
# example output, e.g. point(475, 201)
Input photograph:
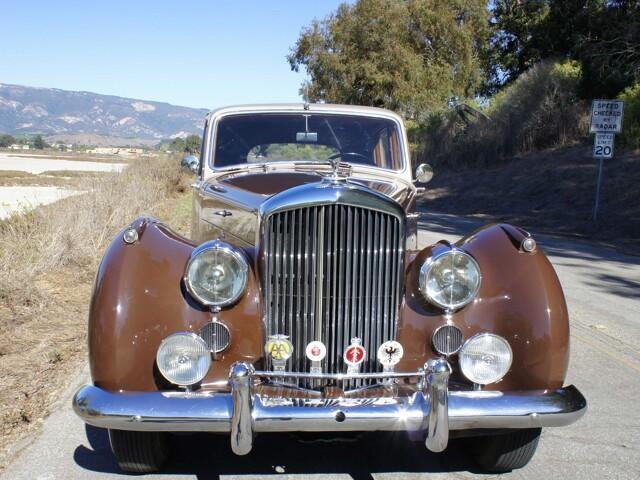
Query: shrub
point(630, 136)
point(540, 110)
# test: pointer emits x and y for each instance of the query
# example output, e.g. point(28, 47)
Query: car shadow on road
point(209, 456)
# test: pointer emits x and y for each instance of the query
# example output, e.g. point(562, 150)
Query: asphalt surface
point(602, 287)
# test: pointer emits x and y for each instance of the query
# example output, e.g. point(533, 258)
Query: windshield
point(260, 138)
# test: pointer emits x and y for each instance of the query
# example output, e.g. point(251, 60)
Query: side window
point(382, 151)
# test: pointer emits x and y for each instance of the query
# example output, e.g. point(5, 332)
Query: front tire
point(506, 452)
point(139, 452)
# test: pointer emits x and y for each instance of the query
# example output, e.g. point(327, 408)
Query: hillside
point(551, 190)
point(51, 111)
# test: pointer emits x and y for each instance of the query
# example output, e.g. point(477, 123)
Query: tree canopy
point(411, 56)
point(39, 143)
point(6, 140)
point(421, 56)
point(192, 144)
point(603, 35)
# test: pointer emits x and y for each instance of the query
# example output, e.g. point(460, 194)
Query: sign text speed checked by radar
point(606, 116)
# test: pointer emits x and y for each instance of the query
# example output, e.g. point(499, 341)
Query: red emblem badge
point(355, 353)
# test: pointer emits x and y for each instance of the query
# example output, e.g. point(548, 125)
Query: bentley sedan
point(302, 303)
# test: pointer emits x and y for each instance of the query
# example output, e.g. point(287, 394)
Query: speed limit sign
point(603, 145)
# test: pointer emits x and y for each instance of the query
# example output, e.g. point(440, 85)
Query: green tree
point(603, 35)
point(192, 144)
point(6, 140)
point(412, 56)
point(177, 145)
point(38, 142)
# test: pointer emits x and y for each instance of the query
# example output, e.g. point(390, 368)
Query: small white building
point(124, 151)
point(18, 146)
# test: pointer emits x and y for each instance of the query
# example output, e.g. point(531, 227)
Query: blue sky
point(193, 53)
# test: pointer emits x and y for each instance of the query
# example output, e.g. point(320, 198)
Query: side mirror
point(424, 173)
point(194, 167)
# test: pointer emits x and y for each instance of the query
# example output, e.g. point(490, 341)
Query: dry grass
point(48, 259)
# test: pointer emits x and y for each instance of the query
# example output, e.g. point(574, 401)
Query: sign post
point(606, 121)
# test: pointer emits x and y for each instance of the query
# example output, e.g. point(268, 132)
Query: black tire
point(139, 452)
point(506, 452)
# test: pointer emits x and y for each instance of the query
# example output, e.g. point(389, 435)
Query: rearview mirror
point(424, 173)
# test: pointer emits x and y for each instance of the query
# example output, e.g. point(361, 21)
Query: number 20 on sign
point(603, 145)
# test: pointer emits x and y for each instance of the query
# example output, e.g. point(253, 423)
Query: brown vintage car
point(301, 303)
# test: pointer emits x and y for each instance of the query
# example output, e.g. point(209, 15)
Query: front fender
point(520, 299)
point(139, 299)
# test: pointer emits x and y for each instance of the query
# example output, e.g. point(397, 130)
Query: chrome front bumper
point(432, 409)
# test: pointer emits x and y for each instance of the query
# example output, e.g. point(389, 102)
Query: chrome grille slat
point(333, 272)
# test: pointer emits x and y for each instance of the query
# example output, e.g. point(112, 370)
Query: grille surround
point(357, 242)
point(216, 335)
point(447, 339)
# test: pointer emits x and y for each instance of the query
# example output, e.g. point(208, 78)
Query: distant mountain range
point(54, 112)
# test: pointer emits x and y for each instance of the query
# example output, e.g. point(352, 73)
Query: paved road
point(603, 292)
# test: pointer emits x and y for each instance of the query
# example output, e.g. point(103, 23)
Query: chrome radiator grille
point(333, 272)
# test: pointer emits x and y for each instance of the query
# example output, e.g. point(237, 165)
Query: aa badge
point(280, 349)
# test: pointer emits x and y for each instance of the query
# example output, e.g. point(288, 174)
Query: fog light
point(485, 358)
point(183, 358)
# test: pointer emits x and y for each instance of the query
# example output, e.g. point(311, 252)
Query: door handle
point(223, 213)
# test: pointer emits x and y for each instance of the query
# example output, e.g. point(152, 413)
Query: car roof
point(306, 107)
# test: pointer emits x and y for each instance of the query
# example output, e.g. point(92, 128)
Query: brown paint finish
point(269, 183)
point(139, 300)
point(520, 299)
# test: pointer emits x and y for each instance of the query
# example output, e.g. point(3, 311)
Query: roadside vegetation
point(48, 259)
point(482, 86)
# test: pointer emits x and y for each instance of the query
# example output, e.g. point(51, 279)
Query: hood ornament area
point(340, 171)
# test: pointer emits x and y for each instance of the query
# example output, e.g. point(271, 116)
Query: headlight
point(216, 274)
point(485, 358)
point(450, 280)
point(183, 358)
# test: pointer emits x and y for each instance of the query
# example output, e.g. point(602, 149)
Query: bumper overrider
point(432, 408)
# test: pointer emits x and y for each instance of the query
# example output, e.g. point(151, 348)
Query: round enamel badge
point(316, 351)
point(279, 348)
point(354, 353)
point(390, 353)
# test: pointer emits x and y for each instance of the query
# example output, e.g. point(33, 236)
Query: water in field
point(20, 199)
point(37, 165)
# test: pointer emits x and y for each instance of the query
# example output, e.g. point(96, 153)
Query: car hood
point(256, 187)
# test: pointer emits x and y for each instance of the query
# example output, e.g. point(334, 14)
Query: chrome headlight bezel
point(426, 267)
point(227, 249)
